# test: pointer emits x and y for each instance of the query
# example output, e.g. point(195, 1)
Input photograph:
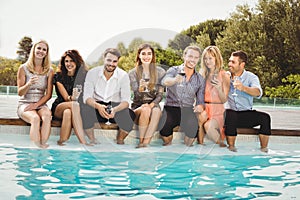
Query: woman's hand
point(216, 83)
point(32, 106)
point(75, 94)
point(33, 80)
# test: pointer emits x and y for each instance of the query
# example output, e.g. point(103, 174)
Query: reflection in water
point(80, 174)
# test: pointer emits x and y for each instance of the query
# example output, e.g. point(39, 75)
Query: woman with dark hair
point(145, 81)
point(68, 83)
point(35, 87)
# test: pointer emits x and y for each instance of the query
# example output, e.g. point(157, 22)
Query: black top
point(69, 83)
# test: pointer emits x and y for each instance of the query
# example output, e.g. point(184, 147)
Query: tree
point(24, 49)
point(209, 29)
point(244, 31)
point(167, 58)
point(180, 42)
point(289, 89)
point(202, 35)
point(127, 62)
point(134, 44)
point(270, 36)
point(121, 47)
point(281, 24)
point(8, 71)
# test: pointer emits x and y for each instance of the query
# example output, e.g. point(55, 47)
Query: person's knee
point(156, 113)
point(46, 115)
point(202, 118)
point(145, 112)
point(207, 126)
point(265, 118)
point(67, 114)
point(35, 119)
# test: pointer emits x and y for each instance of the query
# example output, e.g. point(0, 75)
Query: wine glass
point(79, 88)
point(77, 91)
point(181, 73)
point(146, 82)
point(108, 110)
point(36, 85)
point(235, 78)
point(214, 77)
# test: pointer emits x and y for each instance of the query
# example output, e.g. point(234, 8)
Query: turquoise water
point(81, 175)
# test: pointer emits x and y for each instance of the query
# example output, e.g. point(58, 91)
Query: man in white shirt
point(107, 85)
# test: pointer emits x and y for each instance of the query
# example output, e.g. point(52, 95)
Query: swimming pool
point(176, 172)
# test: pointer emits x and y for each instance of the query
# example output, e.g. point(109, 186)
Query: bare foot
point(167, 143)
point(60, 143)
point(94, 142)
point(121, 135)
point(221, 144)
point(120, 142)
point(87, 144)
point(141, 145)
point(264, 149)
point(232, 148)
point(44, 146)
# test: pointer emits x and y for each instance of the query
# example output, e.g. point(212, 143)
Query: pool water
point(66, 174)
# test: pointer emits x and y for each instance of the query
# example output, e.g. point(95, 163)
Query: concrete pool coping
point(18, 137)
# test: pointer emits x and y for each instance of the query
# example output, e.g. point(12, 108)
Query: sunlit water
point(66, 174)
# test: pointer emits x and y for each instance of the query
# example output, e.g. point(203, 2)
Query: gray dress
point(35, 92)
point(155, 95)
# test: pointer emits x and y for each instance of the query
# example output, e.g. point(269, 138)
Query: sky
point(91, 26)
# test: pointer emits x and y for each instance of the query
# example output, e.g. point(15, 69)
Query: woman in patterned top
point(68, 83)
point(34, 82)
point(145, 81)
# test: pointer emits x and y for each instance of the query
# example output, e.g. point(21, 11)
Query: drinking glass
point(181, 73)
point(77, 91)
point(235, 78)
point(146, 82)
point(108, 110)
point(214, 77)
point(36, 85)
point(79, 88)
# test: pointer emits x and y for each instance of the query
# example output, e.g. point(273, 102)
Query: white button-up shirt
point(115, 89)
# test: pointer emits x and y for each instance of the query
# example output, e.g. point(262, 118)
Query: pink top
point(213, 106)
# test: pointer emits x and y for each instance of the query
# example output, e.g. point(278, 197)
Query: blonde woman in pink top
point(216, 94)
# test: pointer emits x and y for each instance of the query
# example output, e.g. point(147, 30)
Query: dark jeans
point(123, 118)
point(176, 116)
point(246, 119)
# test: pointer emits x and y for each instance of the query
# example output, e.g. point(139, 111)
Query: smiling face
point(70, 65)
point(191, 58)
point(146, 56)
point(110, 62)
point(235, 66)
point(40, 50)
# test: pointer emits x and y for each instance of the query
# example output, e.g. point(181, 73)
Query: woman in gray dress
point(34, 82)
point(145, 81)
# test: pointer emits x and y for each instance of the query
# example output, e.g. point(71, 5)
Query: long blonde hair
point(46, 64)
point(216, 53)
point(152, 67)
